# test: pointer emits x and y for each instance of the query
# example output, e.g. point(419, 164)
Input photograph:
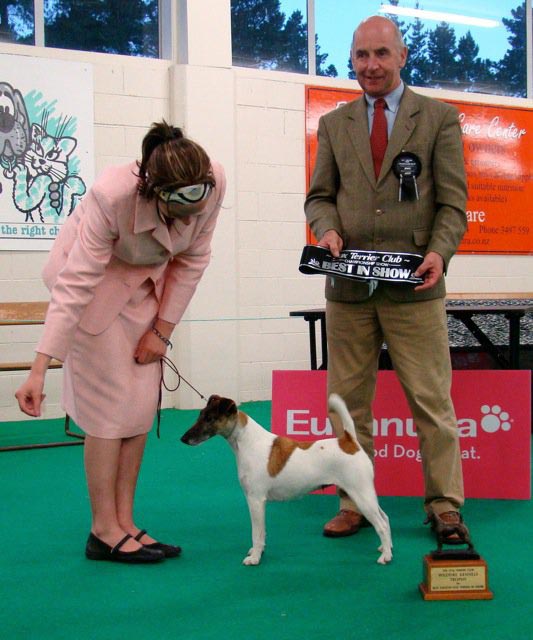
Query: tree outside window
point(108, 26)
point(16, 21)
point(440, 58)
point(264, 37)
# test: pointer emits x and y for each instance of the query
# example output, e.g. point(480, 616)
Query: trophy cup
point(454, 573)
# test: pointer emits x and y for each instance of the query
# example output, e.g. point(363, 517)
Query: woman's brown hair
point(170, 161)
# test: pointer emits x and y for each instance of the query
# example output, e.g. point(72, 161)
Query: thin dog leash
point(167, 361)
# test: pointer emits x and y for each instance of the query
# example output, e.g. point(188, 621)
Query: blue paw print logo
point(494, 419)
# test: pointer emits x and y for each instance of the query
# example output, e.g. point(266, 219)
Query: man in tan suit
point(355, 202)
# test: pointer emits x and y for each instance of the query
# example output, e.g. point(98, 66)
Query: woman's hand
point(30, 393)
point(151, 348)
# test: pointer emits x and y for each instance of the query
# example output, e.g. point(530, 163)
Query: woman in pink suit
point(121, 274)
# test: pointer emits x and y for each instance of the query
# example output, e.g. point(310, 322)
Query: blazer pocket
point(110, 297)
point(421, 237)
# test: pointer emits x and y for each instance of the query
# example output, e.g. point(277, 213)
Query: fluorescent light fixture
point(439, 16)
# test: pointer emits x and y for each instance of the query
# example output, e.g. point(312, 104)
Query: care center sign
point(498, 148)
point(493, 418)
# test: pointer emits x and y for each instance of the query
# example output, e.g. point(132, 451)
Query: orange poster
point(498, 146)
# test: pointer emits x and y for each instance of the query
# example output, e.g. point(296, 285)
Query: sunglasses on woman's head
point(192, 194)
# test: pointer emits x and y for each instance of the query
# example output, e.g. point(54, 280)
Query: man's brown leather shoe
point(345, 523)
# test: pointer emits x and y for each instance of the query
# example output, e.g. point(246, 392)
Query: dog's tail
point(337, 405)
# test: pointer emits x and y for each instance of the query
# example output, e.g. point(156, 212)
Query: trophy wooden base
point(455, 579)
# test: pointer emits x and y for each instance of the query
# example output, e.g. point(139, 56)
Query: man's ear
point(404, 52)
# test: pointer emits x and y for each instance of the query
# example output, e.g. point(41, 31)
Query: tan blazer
point(344, 194)
point(112, 242)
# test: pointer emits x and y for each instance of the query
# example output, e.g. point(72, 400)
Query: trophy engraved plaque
point(455, 576)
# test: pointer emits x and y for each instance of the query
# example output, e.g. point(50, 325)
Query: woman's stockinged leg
point(102, 461)
point(130, 459)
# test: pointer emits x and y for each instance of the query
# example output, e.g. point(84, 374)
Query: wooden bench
point(470, 304)
point(31, 313)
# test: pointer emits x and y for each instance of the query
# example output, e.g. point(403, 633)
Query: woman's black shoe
point(96, 549)
point(169, 550)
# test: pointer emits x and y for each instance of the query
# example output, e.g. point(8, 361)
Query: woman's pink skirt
point(105, 392)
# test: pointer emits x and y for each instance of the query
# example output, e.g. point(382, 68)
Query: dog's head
point(219, 417)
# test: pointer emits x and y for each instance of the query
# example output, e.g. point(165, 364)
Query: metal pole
point(311, 37)
point(38, 20)
point(529, 48)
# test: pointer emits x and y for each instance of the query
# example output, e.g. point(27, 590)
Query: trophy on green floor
point(454, 573)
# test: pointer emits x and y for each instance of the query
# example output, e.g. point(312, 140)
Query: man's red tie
point(378, 135)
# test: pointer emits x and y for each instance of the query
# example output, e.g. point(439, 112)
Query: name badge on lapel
point(407, 167)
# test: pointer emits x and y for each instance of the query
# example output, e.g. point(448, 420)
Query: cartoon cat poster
point(46, 147)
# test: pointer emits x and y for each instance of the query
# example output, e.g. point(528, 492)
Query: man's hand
point(331, 240)
point(431, 270)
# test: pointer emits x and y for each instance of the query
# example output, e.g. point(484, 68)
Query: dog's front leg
point(257, 516)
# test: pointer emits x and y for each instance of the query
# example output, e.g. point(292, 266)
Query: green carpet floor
point(307, 586)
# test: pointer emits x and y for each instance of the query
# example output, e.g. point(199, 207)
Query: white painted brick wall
point(129, 94)
point(254, 122)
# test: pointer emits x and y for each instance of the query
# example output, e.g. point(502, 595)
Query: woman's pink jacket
point(112, 242)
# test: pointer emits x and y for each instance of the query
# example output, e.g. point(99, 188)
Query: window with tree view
point(17, 22)
point(108, 26)
point(265, 37)
point(479, 46)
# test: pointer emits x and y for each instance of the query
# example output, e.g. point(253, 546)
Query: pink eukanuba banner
point(493, 417)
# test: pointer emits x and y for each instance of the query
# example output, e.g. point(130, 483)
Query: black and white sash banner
point(362, 265)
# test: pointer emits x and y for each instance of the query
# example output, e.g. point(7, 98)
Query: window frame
point(529, 48)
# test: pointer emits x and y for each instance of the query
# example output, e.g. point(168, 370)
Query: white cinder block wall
point(129, 94)
point(237, 329)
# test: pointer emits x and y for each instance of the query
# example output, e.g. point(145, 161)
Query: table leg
point(514, 340)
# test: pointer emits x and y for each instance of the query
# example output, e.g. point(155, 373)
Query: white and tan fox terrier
point(278, 468)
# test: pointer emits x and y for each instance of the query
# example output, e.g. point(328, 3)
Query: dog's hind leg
point(369, 507)
point(385, 547)
point(257, 507)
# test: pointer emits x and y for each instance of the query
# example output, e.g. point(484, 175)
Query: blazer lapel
point(404, 126)
point(358, 133)
point(146, 219)
point(357, 125)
